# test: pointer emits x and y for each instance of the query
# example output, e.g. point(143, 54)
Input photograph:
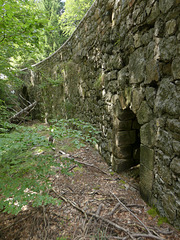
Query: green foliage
point(154, 213)
point(24, 170)
point(5, 126)
point(48, 81)
point(162, 220)
point(20, 29)
point(79, 131)
point(54, 38)
point(74, 12)
point(27, 161)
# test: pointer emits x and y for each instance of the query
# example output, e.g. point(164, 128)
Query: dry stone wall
point(121, 70)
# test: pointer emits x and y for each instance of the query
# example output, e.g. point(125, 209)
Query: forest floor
point(96, 204)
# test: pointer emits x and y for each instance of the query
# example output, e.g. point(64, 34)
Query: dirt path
point(88, 192)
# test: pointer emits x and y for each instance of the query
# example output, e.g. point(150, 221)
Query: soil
point(96, 204)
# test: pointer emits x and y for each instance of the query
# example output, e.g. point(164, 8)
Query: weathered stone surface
point(147, 133)
point(119, 165)
point(147, 157)
point(146, 182)
point(123, 78)
point(173, 125)
point(167, 99)
point(152, 71)
point(123, 152)
point(125, 138)
point(144, 114)
point(165, 5)
point(170, 27)
point(137, 98)
point(150, 96)
point(137, 66)
point(120, 71)
point(169, 203)
point(176, 147)
point(175, 165)
point(154, 13)
point(164, 141)
point(176, 68)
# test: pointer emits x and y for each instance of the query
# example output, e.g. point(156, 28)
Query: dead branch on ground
point(25, 110)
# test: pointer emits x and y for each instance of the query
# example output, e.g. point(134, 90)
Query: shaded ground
point(90, 190)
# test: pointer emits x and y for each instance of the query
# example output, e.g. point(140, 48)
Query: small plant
point(154, 213)
point(162, 220)
point(24, 171)
point(26, 162)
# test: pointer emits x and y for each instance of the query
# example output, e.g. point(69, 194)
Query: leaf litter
point(96, 204)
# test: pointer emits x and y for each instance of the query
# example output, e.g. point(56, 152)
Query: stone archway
point(126, 141)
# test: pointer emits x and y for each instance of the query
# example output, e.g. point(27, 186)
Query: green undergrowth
point(153, 212)
point(28, 159)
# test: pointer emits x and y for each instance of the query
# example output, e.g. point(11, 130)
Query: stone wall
point(120, 70)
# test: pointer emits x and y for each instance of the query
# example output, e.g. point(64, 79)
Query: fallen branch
point(94, 215)
point(138, 235)
point(114, 209)
point(25, 110)
point(84, 163)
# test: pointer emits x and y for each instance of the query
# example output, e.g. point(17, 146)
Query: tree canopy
point(74, 12)
point(21, 23)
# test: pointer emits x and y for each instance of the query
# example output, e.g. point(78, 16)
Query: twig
point(91, 165)
point(99, 209)
point(23, 111)
point(131, 212)
point(24, 99)
point(94, 215)
point(14, 223)
point(72, 204)
point(84, 163)
point(114, 209)
point(137, 235)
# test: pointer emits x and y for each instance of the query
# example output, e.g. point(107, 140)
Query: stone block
point(169, 203)
point(123, 78)
point(137, 98)
point(120, 165)
point(173, 125)
point(147, 157)
point(165, 5)
point(144, 114)
point(175, 165)
point(147, 134)
point(176, 147)
point(121, 125)
point(176, 68)
point(167, 99)
point(170, 27)
point(167, 48)
point(154, 13)
point(146, 182)
point(152, 71)
point(123, 152)
point(137, 66)
point(165, 174)
point(150, 96)
point(164, 142)
point(125, 138)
